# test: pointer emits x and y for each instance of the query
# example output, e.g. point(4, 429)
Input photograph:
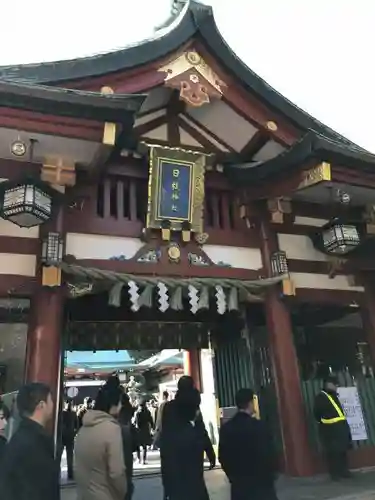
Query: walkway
point(361, 487)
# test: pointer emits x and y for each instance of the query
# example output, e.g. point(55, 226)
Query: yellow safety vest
point(340, 414)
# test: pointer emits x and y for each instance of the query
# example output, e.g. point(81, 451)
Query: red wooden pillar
point(43, 358)
point(297, 454)
point(192, 366)
point(368, 317)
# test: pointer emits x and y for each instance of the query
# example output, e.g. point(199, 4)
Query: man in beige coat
point(100, 468)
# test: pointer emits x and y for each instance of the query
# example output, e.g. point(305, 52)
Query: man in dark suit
point(183, 442)
point(30, 471)
point(246, 453)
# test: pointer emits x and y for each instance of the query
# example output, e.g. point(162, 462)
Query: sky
point(317, 53)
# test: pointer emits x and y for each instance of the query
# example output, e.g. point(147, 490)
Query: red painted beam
point(172, 270)
point(53, 125)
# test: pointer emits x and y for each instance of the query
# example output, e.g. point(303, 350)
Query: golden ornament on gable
point(201, 238)
point(195, 80)
point(193, 57)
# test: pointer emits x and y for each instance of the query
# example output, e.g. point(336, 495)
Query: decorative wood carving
point(336, 265)
point(172, 253)
point(195, 80)
point(317, 174)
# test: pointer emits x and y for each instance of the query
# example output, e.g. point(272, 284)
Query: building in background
point(165, 197)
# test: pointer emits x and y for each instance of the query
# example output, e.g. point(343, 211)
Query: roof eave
point(198, 20)
point(312, 147)
point(66, 102)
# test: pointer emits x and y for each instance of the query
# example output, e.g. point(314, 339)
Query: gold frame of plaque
point(176, 189)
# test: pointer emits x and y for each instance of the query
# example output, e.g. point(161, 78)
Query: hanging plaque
point(176, 189)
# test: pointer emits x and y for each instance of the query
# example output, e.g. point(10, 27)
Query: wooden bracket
point(58, 171)
point(288, 287)
point(109, 132)
point(51, 276)
point(277, 208)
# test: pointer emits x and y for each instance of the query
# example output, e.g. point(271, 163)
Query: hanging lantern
point(52, 249)
point(279, 263)
point(26, 204)
point(338, 238)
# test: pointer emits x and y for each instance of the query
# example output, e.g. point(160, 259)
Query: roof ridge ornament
point(194, 78)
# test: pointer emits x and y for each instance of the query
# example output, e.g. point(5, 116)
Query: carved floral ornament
point(195, 80)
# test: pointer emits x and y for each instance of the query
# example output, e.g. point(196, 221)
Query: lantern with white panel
point(279, 263)
point(339, 239)
point(52, 249)
point(26, 204)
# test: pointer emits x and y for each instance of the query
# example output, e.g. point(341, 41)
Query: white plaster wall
point(9, 229)
point(21, 265)
point(299, 247)
point(240, 257)
point(322, 281)
point(92, 246)
point(309, 221)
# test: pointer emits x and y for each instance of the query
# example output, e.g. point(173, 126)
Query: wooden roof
point(196, 21)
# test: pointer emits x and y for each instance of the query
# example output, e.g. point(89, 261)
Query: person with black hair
point(4, 417)
point(334, 429)
point(183, 442)
point(159, 418)
point(144, 424)
point(30, 471)
point(99, 454)
point(246, 453)
point(69, 425)
point(129, 439)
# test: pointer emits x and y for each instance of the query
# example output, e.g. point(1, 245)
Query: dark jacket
point(246, 454)
point(128, 447)
point(144, 424)
point(183, 443)
point(30, 471)
point(69, 424)
point(3, 443)
point(335, 437)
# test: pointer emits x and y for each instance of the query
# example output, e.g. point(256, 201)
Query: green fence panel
point(366, 391)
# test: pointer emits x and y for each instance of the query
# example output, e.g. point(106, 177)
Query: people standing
point(30, 471)
point(183, 443)
point(246, 453)
point(334, 429)
point(83, 409)
point(99, 454)
point(4, 417)
point(69, 425)
point(129, 439)
point(144, 424)
point(159, 418)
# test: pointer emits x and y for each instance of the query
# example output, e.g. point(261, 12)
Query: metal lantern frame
point(26, 203)
point(52, 248)
point(339, 238)
point(279, 263)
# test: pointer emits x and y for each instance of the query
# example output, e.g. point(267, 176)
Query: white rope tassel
point(163, 297)
point(133, 290)
point(221, 300)
point(193, 299)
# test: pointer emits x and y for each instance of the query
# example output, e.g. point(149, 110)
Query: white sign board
point(351, 405)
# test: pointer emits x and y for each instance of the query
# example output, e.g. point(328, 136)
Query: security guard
point(334, 429)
